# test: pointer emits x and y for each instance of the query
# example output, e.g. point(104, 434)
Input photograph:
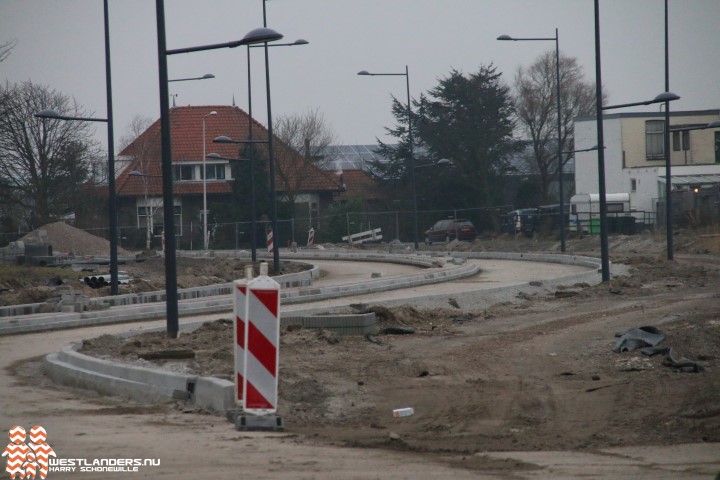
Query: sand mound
point(66, 239)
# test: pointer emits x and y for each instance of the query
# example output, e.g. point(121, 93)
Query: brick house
point(140, 197)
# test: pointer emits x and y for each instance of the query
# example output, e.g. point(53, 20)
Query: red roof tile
point(359, 184)
point(292, 171)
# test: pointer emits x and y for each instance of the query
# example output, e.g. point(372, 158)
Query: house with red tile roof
point(139, 184)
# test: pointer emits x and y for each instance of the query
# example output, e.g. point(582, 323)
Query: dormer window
point(183, 172)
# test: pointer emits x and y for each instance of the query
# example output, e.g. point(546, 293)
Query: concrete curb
point(216, 394)
point(141, 384)
point(154, 385)
point(199, 304)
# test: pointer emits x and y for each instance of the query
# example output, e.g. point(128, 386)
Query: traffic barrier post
point(270, 245)
point(262, 354)
point(239, 330)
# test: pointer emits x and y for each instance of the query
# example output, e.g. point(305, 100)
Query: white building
point(635, 158)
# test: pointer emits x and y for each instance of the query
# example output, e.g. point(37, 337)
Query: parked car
point(450, 229)
point(523, 220)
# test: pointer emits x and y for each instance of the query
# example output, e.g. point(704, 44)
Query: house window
point(183, 172)
point(717, 147)
point(681, 141)
point(654, 139)
point(633, 184)
point(214, 172)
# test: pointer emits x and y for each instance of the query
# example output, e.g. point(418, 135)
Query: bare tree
point(6, 49)
point(536, 110)
point(43, 162)
point(305, 137)
point(137, 145)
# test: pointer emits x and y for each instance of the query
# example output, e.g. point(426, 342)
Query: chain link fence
point(400, 225)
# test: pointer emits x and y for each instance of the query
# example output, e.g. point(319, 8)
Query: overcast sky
point(60, 45)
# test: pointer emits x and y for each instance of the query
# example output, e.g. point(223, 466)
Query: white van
point(585, 210)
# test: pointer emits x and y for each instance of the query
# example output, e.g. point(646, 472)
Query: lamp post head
point(207, 76)
point(505, 37)
point(223, 139)
point(214, 156)
point(363, 72)
point(665, 97)
point(48, 114)
point(260, 35)
point(136, 173)
point(300, 41)
point(714, 124)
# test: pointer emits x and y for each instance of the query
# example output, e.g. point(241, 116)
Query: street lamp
point(443, 162)
point(271, 159)
point(217, 156)
point(555, 39)
point(410, 142)
point(591, 149)
point(207, 76)
point(713, 124)
point(112, 196)
point(253, 215)
point(257, 35)
point(662, 98)
point(205, 210)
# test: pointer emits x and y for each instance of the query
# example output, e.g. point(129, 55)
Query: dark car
point(450, 229)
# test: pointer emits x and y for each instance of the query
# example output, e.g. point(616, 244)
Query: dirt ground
point(538, 373)
point(32, 284)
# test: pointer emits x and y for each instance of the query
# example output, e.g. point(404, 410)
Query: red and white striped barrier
point(311, 237)
point(239, 327)
point(270, 245)
point(262, 342)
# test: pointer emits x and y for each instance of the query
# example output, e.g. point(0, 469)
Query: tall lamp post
point(257, 35)
point(561, 192)
point(217, 156)
point(666, 147)
point(205, 210)
point(410, 142)
point(253, 237)
point(253, 215)
point(271, 156)
point(665, 97)
point(604, 254)
point(112, 196)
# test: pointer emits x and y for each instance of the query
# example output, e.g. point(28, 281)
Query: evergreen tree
point(466, 119)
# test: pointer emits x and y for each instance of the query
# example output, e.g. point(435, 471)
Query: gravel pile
point(66, 239)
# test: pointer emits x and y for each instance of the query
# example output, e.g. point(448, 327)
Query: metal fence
point(394, 225)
